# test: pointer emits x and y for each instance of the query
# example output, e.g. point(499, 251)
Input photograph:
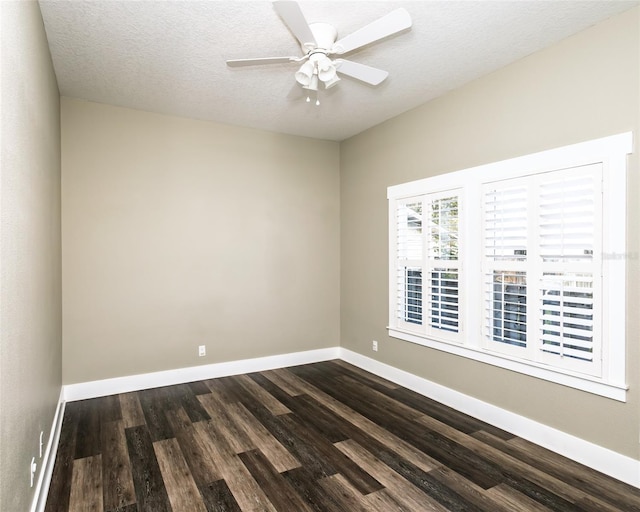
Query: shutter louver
point(409, 245)
point(506, 307)
point(444, 301)
point(505, 223)
point(566, 218)
point(567, 315)
point(442, 251)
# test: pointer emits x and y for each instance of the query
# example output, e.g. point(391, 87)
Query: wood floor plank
point(127, 508)
point(411, 497)
point(217, 497)
point(60, 485)
point(116, 467)
point(595, 504)
point(132, 414)
point(242, 485)
point(88, 429)
point(541, 494)
point(356, 476)
point(445, 414)
point(558, 485)
point(274, 485)
point(281, 459)
point(437, 447)
point(86, 485)
point(199, 387)
point(109, 408)
point(273, 389)
point(381, 400)
point(613, 492)
point(291, 381)
point(508, 463)
point(511, 500)
point(301, 450)
point(384, 501)
point(434, 446)
point(306, 486)
point(278, 428)
point(266, 399)
point(320, 418)
point(428, 484)
point(182, 490)
point(471, 492)
point(199, 457)
point(154, 406)
point(338, 488)
point(288, 387)
point(365, 374)
point(151, 495)
point(235, 434)
point(178, 420)
point(188, 400)
point(224, 389)
point(372, 429)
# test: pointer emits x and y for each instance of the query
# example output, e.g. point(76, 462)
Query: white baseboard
point(48, 458)
point(97, 388)
point(592, 455)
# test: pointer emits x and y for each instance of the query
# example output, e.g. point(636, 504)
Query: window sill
point(582, 382)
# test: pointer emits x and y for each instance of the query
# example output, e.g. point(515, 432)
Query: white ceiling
point(169, 56)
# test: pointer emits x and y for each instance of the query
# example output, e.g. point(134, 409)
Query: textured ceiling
point(169, 56)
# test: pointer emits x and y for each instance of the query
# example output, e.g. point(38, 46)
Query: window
point(525, 280)
point(540, 269)
point(427, 269)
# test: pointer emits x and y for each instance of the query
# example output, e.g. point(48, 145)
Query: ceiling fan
point(320, 43)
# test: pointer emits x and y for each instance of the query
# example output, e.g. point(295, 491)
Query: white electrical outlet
point(202, 350)
point(374, 345)
point(32, 469)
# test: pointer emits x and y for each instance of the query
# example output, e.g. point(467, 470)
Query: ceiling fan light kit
point(319, 41)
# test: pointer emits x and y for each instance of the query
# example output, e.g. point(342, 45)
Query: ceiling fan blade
point(362, 72)
point(294, 19)
point(235, 63)
point(389, 24)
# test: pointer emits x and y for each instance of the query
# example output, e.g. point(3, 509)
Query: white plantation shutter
point(567, 316)
point(409, 260)
point(444, 293)
point(505, 221)
point(541, 267)
point(567, 205)
point(570, 275)
point(505, 307)
point(443, 285)
point(427, 271)
point(505, 244)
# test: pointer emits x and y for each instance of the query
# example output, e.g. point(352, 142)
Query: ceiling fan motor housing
point(319, 66)
point(325, 35)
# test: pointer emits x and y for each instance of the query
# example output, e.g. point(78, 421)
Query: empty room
point(319, 256)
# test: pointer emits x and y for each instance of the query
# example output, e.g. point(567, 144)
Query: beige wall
point(585, 87)
point(178, 233)
point(30, 297)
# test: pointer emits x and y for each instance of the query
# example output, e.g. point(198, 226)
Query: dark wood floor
point(318, 437)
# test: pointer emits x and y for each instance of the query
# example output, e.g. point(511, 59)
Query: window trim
point(611, 152)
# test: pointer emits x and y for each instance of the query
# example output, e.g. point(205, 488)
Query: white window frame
point(610, 152)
